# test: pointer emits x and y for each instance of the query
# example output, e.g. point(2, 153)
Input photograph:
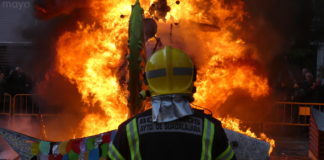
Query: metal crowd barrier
point(23, 104)
point(282, 113)
point(293, 113)
point(25, 111)
point(5, 104)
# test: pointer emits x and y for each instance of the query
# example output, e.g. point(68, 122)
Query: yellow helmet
point(169, 71)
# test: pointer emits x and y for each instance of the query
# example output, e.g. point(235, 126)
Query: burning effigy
point(94, 55)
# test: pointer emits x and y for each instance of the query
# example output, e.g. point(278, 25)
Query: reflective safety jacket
point(194, 137)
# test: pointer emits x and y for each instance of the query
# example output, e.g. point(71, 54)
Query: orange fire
point(234, 124)
point(91, 56)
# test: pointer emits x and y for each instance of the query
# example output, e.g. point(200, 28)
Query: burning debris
point(150, 28)
point(159, 9)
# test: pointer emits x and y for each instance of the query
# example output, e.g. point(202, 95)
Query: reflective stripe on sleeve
point(113, 153)
point(227, 154)
point(207, 140)
point(133, 140)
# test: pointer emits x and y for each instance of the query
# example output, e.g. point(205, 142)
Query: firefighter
point(171, 130)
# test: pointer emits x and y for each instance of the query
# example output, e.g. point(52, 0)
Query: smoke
point(54, 93)
point(276, 26)
point(272, 27)
point(269, 28)
point(48, 9)
point(41, 57)
point(57, 95)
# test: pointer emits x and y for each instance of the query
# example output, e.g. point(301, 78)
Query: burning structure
point(92, 55)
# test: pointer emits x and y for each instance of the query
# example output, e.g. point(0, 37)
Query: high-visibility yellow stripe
point(231, 155)
point(207, 140)
point(227, 154)
point(113, 153)
point(203, 146)
point(211, 140)
point(137, 151)
point(130, 142)
point(133, 140)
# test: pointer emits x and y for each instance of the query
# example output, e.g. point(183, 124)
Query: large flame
point(91, 56)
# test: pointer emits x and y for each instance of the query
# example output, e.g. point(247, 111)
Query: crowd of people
point(14, 81)
point(307, 89)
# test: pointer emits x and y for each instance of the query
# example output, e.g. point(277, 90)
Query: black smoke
point(274, 27)
point(53, 92)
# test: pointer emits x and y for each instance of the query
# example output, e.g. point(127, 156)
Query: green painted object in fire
point(135, 46)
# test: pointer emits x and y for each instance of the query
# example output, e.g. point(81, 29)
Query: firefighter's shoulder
point(145, 113)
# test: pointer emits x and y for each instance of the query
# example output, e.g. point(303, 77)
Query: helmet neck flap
point(166, 108)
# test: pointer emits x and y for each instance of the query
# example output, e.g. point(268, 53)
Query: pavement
point(291, 148)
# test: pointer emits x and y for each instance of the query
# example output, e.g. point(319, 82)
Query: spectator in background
point(28, 85)
point(304, 71)
point(16, 81)
point(318, 94)
point(321, 92)
point(283, 91)
point(303, 89)
point(300, 86)
point(3, 84)
point(297, 92)
point(308, 86)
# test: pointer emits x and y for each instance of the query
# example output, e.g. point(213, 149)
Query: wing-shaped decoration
point(93, 147)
